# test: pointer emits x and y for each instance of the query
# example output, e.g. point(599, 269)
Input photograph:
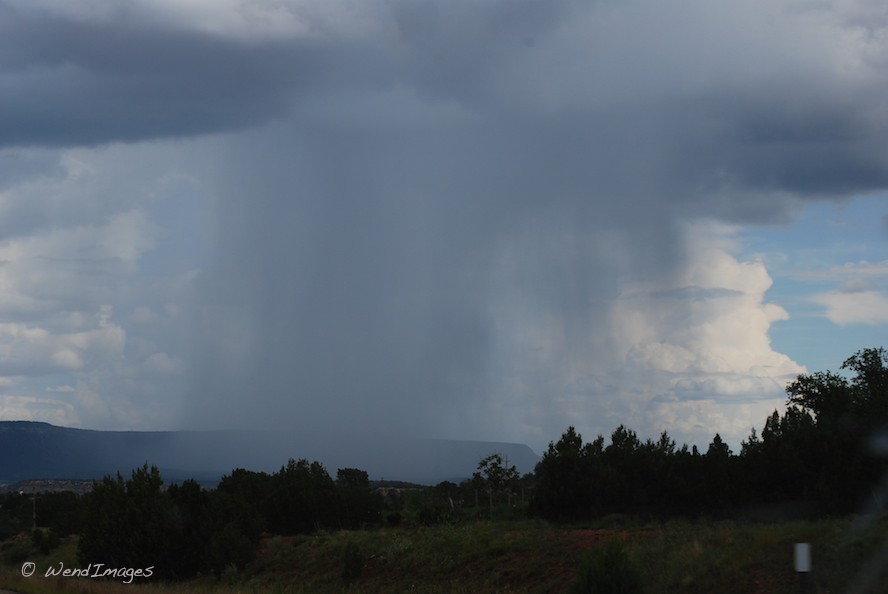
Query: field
point(529, 556)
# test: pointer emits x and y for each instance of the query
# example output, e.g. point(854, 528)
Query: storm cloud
point(463, 219)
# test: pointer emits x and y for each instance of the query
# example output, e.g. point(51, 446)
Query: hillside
point(30, 450)
point(528, 556)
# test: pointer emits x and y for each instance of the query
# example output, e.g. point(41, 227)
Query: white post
point(802, 556)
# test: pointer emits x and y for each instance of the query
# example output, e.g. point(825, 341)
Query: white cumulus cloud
point(855, 306)
point(689, 353)
point(698, 347)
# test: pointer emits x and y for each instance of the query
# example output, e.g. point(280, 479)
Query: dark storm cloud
point(394, 200)
point(791, 138)
point(368, 260)
point(71, 81)
point(641, 117)
point(359, 302)
point(361, 269)
point(75, 82)
point(18, 167)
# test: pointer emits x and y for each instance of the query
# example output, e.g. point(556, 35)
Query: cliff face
point(31, 450)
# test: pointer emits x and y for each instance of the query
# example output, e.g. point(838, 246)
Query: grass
point(530, 556)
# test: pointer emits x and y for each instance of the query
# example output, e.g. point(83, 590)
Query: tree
point(841, 414)
point(302, 498)
point(236, 528)
point(565, 481)
point(870, 384)
point(133, 524)
point(623, 477)
point(718, 449)
point(105, 534)
point(846, 411)
point(720, 480)
point(751, 445)
point(192, 504)
point(846, 404)
point(360, 504)
point(496, 476)
point(826, 395)
point(61, 511)
point(624, 442)
point(352, 478)
point(665, 446)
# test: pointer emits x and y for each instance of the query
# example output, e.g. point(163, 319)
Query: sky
point(460, 219)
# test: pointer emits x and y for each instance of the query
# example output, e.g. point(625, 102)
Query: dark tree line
point(494, 491)
point(182, 530)
point(818, 457)
point(60, 511)
point(185, 529)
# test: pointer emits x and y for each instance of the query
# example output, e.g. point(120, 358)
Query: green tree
point(720, 480)
point(197, 526)
point(236, 527)
point(133, 524)
point(361, 506)
point(62, 511)
point(846, 404)
point(827, 396)
point(352, 478)
point(497, 477)
point(247, 485)
point(302, 498)
point(841, 415)
point(564, 478)
point(718, 449)
point(870, 385)
point(105, 534)
point(624, 480)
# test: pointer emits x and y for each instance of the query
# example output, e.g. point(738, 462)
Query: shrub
point(393, 518)
point(16, 551)
point(607, 570)
point(229, 548)
point(45, 542)
point(429, 516)
point(352, 562)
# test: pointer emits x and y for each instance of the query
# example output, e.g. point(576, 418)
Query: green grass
point(531, 556)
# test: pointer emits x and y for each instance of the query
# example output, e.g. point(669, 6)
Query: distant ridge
point(33, 450)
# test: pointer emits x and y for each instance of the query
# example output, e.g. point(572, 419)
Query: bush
point(16, 551)
point(352, 562)
point(608, 570)
point(393, 518)
point(429, 516)
point(229, 548)
point(45, 542)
